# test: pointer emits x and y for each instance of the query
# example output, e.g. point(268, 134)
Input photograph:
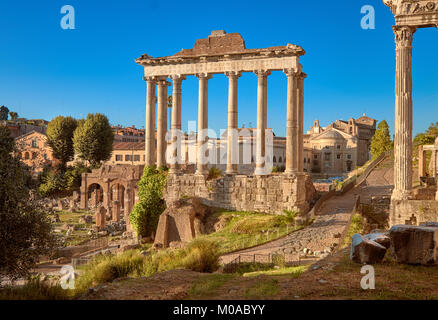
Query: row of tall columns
point(294, 123)
point(403, 114)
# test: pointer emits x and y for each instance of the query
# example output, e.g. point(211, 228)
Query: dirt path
point(331, 221)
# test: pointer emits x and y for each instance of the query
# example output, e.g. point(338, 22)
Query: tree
point(25, 231)
point(13, 115)
point(427, 137)
point(146, 213)
point(60, 138)
point(4, 113)
point(381, 141)
point(93, 139)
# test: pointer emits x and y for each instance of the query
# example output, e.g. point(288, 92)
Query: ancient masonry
point(117, 185)
point(223, 53)
point(410, 15)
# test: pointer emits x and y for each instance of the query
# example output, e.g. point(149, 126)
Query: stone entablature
point(221, 53)
point(269, 194)
point(414, 13)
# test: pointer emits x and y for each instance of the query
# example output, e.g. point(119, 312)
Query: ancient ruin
point(223, 53)
point(113, 188)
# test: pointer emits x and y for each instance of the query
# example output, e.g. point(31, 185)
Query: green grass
point(34, 289)
point(262, 289)
point(247, 229)
point(206, 286)
point(356, 226)
point(199, 256)
point(294, 272)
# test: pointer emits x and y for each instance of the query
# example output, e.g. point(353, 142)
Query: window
point(327, 156)
point(26, 155)
point(128, 157)
point(137, 157)
point(34, 155)
point(280, 160)
point(34, 144)
point(351, 130)
point(315, 156)
point(349, 156)
point(338, 156)
point(119, 157)
point(339, 146)
point(275, 159)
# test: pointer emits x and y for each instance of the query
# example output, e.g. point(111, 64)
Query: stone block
point(414, 244)
point(366, 251)
point(380, 238)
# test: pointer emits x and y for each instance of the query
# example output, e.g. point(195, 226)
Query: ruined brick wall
point(270, 194)
point(413, 212)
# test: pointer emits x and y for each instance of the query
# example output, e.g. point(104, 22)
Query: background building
point(340, 147)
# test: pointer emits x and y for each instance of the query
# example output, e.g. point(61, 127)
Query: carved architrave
point(417, 13)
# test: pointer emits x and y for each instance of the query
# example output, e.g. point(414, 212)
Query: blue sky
point(46, 71)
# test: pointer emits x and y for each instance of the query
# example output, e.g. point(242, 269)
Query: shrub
point(214, 173)
point(146, 213)
point(202, 256)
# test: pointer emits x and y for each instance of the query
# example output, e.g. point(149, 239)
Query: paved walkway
point(331, 221)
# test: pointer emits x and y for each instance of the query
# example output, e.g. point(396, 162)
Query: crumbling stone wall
point(270, 194)
point(413, 212)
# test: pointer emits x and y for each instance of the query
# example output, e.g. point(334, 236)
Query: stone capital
point(203, 76)
point(177, 77)
point(262, 73)
point(233, 74)
point(163, 83)
point(404, 36)
point(150, 78)
point(291, 72)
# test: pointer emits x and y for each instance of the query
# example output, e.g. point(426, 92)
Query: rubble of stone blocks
point(408, 244)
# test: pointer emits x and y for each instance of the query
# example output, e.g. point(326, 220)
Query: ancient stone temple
point(410, 15)
point(117, 186)
point(226, 54)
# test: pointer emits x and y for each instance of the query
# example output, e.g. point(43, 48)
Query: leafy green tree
point(146, 213)
point(381, 141)
point(25, 231)
point(4, 113)
point(93, 139)
point(427, 137)
point(13, 115)
point(60, 138)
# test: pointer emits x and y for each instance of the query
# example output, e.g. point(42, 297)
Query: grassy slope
point(245, 229)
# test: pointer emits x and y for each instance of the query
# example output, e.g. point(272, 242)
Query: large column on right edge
point(403, 113)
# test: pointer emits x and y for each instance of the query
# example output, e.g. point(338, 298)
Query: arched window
point(280, 160)
point(26, 155)
point(275, 159)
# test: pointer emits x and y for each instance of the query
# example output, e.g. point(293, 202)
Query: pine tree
point(381, 141)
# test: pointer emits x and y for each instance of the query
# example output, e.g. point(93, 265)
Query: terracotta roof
point(128, 146)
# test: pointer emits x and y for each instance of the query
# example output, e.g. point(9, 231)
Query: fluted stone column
point(162, 122)
point(201, 166)
point(292, 122)
point(262, 77)
point(150, 122)
point(232, 142)
point(403, 114)
point(176, 114)
point(421, 162)
point(300, 145)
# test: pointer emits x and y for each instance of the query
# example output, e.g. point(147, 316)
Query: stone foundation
point(413, 212)
point(269, 194)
